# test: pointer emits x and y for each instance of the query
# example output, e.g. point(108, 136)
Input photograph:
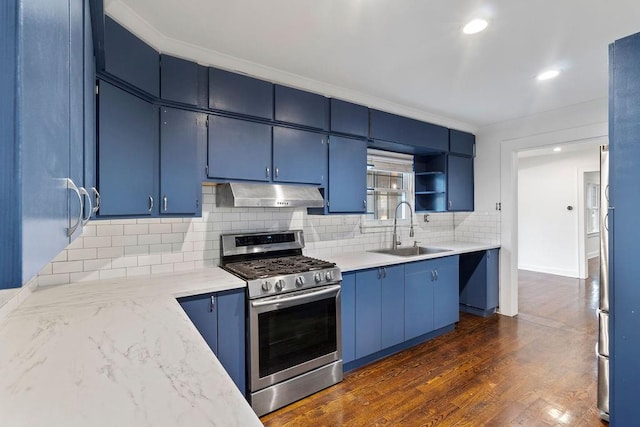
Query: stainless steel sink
point(411, 251)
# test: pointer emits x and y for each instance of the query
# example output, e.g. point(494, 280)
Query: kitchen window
point(389, 182)
point(593, 208)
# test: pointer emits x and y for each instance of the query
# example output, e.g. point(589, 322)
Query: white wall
point(496, 175)
point(548, 233)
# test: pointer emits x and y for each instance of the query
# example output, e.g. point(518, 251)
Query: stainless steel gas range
point(294, 345)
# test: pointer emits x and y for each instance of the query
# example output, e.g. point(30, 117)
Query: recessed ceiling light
point(557, 149)
point(549, 74)
point(475, 26)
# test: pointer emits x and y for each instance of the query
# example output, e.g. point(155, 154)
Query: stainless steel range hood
point(251, 195)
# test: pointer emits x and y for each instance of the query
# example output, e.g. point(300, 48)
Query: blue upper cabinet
point(299, 156)
point(42, 92)
point(130, 59)
point(459, 183)
point(462, 143)
point(348, 118)
point(180, 186)
point(240, 94)
point(127, 153)
point(421, 136)
point(89, 110)
point(301, 108)
point(239, 149)
point(347, 175)
point(179, 80)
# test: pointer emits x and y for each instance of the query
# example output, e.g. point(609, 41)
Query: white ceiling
point(405, 56)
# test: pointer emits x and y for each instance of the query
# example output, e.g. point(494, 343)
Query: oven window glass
point(294, 335)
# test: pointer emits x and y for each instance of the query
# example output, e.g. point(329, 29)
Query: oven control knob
point(266, 286)
point(329, 275)
point(299, 281)
point(317, 277)
point(279, 285)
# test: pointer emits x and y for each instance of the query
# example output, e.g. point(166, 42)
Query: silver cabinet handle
point(165, 202)
point(97, 195)
point(606, 192)
point(379, 273)
point(450, 204)
point(433, 276)
point(213, 303)
point(86, 194)
point(364, 204)
point(268, 172)
point(72, 186)
point(436, 272)
point(150, 203)
point(277, 172)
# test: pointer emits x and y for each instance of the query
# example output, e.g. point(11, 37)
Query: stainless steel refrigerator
point(603, 311)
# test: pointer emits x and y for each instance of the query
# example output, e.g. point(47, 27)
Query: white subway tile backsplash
point(80, 254)
point(110, 230)
point(132, 247)
point(67, 267)
point(124, 240)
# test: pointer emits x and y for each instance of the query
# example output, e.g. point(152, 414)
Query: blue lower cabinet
point(203, 312)
point(418, 299)
point(239, 149)
point(392, 306)
point(445, 293)
point(478, 289)
point(231, 335)
point(348, 315)
point(220, 319)
point(368, 312)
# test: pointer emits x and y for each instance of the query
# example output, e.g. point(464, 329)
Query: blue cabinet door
point(203, 313)
point(445, 295)
point(348, 315)
point(239, 149)
point(39, 95)
point(392, 306)
point(624, 152)
point(180, 186)
point(348, 118)
point(89, 107)
point(368, 312)
point(459, 183)
point(178, 80)
point(130, 59)
point(403, 130)
point(462, 143)
point(231, 335)
point(127, 153)
point(301, 107)
point(347, 175)
point(418, 300)
point(299, 156)
point(493, 278)
point(240, 94)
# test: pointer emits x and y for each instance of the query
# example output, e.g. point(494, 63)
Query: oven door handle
point(284, 300)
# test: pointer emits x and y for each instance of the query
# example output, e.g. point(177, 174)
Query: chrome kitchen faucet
point(395, 224)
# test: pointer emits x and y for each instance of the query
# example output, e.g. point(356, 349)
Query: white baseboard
point(549, 270)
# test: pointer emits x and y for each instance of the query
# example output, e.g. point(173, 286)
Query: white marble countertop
point(361, 260)
point(116, 353)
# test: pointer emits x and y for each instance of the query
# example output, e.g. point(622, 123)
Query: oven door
point(293, 333)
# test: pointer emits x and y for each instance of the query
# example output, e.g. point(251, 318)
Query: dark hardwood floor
point(537, 369)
